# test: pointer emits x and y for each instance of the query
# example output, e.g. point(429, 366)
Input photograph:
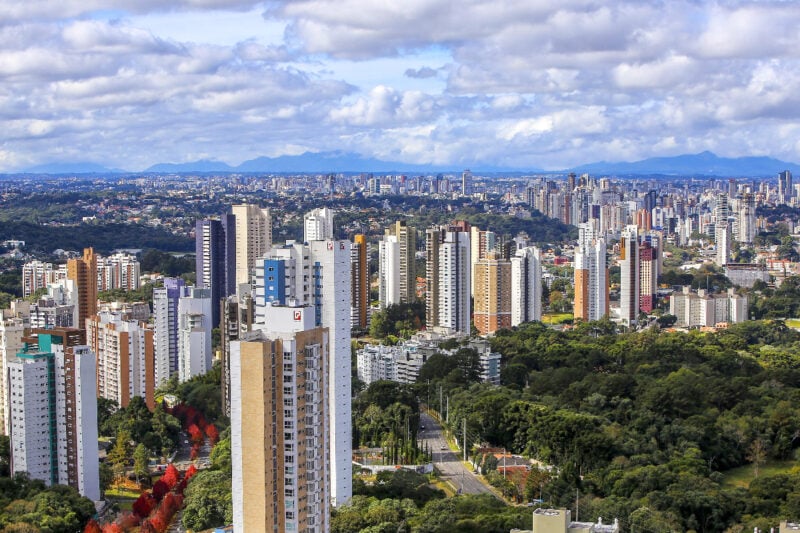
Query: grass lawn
point(793, 322)
point(743, 475)
point(556, 318)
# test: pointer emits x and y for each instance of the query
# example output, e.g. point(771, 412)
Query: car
point(422, 427)
point(442, 447)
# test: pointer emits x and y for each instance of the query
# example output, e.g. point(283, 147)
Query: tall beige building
point(407, 240)
point(83, 271)
point(279, 425)
point(492, 299)
point(253, 239)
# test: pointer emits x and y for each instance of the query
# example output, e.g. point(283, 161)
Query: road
point(447, 462)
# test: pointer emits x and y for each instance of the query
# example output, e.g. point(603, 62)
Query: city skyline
point(130, 84)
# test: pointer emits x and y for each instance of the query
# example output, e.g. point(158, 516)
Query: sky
point(514, 83)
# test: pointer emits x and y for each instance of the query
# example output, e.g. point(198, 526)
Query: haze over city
point(128, 84)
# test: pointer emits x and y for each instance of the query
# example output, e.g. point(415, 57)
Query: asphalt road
point(447, 462)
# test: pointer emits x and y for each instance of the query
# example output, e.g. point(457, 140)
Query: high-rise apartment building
point(722, 242)
point(215, 247)
point(407, 242)
point(785, 190)
point(83, 271)
point(253, 235)
point(194, 332)
point(125, 357)
point(318, 225)
point(11, 332)
point(118, 271)
point(165, 326)
point(359, 308)
point(591, 275)
point(454, 282)
point(280, 424)
point(53, 410)
point(318, 274)
point(37, 275)
point(492, 294)
point(629, 275)
point(648, 274)
point(388, 271)
point(481, 243)
point(526, 286)
point(466, 183)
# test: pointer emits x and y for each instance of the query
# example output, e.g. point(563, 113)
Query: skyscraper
point(526, 286)
point(359, 308)
point(407, 241)
point(492, 294)
point(318, 274)
point(466, 183)
point(11, 331)
point(194, 332)
point(629, 275)
point(591, 275)
point(215, 247)
point(165, 325)
point(318, 225)
point(83, 271)
point(388, 271)
point(648, 274)
point(785, 191)
point(53, 410)
point(722, 241)
point(481, 243)
point(253, 238)
point(454, 282)
point(125, 357)
point(280, 424)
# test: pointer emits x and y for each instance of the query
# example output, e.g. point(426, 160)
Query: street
point(447, 462)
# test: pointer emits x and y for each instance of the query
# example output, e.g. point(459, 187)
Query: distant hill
point(204, 165)
point(702, 164)
point(71, 168)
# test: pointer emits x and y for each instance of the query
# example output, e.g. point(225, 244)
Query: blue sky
point(130, 83)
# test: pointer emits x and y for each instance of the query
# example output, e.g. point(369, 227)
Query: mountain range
point(702, 164)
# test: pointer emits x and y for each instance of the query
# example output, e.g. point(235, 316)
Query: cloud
point(421, 73)
point(534, 83)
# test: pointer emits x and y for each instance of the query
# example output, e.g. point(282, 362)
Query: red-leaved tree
point(170, 476)
point(144, 505)
point(159, 490)
point(92, 527)
point(212, 433)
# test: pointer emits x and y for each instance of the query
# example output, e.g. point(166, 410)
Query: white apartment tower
point(629, 275)
point(389, 271)
point(53, 411)
point(194, 333)
point(454, 282)
point(526, 286)
point(722, 242)
point(11, 331)
point(318, 225)
point(319, 275)
point(125, 357)
point(165, 325)
point(591, 275)
point(253, 239)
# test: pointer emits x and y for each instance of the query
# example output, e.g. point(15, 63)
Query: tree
point(757, 454)
point(171, 476)
point(118, 455)
point(141, 461)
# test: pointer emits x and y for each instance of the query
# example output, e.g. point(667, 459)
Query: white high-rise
point(253, 239)
point(629, 275)
point(11, 330)
point(124, 350)
point(722, 242)
point(591, 274)
point(318, 225)
point(389, 271)
point(53, 411)
point(194, 333)
point(318, 274)
point(455, 307)
point(526, 286)
point(165, 325)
